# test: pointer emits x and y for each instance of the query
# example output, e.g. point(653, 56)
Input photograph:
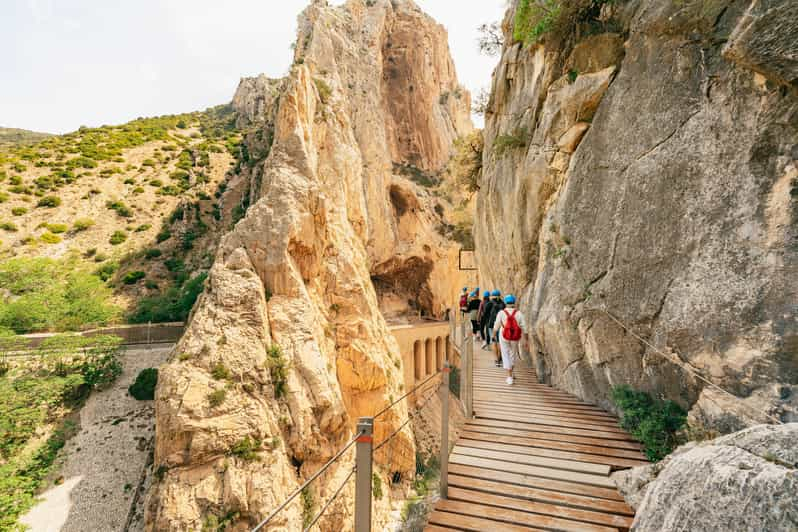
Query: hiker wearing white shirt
point(510, 326)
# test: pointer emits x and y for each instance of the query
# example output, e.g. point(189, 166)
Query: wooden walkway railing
point(534, 458)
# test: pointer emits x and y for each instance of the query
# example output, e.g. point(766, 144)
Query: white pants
point(510, 352)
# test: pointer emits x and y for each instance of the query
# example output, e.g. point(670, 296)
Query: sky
point(69, 63)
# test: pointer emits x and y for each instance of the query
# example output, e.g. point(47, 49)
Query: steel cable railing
point(305, 484)
point(365, 449)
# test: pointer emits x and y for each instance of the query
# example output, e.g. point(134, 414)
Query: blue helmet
point(465, 289)
point(496, 293)
point(486, 294)
point(509, 299)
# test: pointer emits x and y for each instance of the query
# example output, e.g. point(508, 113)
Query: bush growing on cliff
point(278, 369)
point(511, 141)
point(143, 388)
point(466, 164)
point(652, 421)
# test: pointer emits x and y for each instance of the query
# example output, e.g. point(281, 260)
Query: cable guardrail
point(305, 484)
point(363, 440)
point(676, 361)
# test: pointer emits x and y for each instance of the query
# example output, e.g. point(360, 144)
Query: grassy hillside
point(141, 206)
point(10, 137)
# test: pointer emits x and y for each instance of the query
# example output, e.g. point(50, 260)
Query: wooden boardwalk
point(534, 458)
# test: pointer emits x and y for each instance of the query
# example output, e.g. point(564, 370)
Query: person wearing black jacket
point(485, 322)
point(473, 311)
point(495, 308)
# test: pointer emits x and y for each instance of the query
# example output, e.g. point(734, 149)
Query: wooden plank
point(542, 495)
point(518, 517)
point(552, 444)
point(521, 396)
point(436, 528)
point(511, 414)
point(473, 523)
point(529, 481)
point(547, 405)
point(538, 471)
point(544, 408)
point(523, 458)
point(493, 445)
point(547, 411)
point(554, 510)
point(552, 436)
point(548, 427)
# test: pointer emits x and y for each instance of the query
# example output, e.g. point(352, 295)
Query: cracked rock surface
point(657, 181)
point(743, 481)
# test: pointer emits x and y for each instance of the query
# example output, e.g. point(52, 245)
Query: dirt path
point(102, 464)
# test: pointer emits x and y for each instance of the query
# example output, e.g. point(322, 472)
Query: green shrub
point(107, 270)
point(82, 224)
point(653, 422)
point(19, 211)
point(51, 294)
point(117, 238)
point(120, 208)
point(143, 227)
point(376, 486)
point(9, 226)
point(150, 284)
point(220, 372)
point(50, 238)
point(49, 201)
point(173, 305)
point(156, 183)
point(138, 190)
point(246, 449)
point(504, 143)
point(4, 197)
point(57, 228)
point(163, 235)
point(153, 253)
point(278, 370)
point(325, 92)
point(216, 397)
point(534, 18)
point(133, 277)
point(143, 388)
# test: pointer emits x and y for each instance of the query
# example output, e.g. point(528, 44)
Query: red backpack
point(463, 301)
point(511, 330)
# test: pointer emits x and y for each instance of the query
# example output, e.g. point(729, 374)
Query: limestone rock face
point(288, 336)
point(742, 481)
point(648, 175)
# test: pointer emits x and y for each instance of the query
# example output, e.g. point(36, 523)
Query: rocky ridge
point(287, 347)
point(639, 177)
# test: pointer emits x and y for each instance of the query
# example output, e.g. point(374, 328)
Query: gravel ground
point(101, 466)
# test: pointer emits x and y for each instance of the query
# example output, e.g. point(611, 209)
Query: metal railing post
point(365, 441)
point(469, 379)
point(445, 430)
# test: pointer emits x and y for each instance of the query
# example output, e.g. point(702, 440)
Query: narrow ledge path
point(534, 458)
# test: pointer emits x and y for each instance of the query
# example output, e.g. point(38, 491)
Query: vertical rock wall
point(329, 212)
point(645, 164)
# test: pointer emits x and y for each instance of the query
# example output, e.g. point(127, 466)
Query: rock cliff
point(640, 178)
point(287, 347)
point(699, 486)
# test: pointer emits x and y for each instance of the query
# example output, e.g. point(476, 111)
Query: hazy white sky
point(69, 63)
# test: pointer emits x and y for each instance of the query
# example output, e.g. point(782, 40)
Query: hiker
point(473, 311)
point(487, 313)
point(498, 306)
point(509, 324)
point(481, 314)
point(463, 303)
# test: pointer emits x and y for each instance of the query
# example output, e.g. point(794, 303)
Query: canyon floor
point(101, 468)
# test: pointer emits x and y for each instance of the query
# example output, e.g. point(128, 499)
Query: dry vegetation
point(140, 205)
